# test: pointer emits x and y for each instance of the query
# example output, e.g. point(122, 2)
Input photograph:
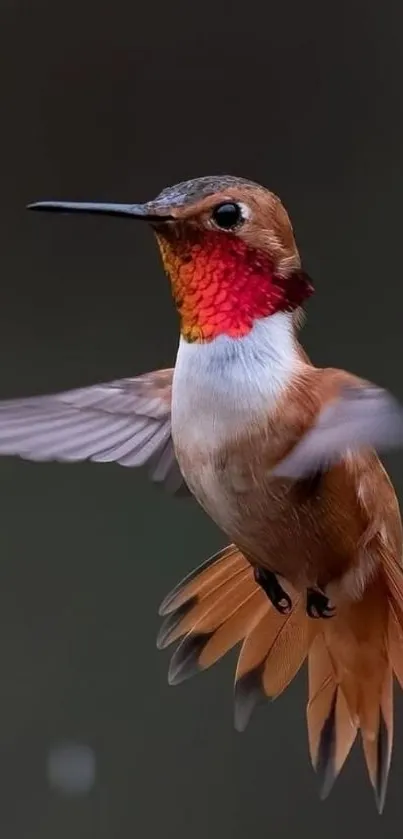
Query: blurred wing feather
point(126, 421)
point(362, 416)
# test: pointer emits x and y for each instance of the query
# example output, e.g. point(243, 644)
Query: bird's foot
point(268, 581)
point(318, 605)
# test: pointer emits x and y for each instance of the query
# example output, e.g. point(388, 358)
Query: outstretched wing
point(361, 416)
point(127, 421)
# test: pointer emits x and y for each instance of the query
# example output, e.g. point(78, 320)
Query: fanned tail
point(351, 658)
point(220, 605)
point(210, 612)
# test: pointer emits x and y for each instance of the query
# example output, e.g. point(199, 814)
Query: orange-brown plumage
point(281, 455)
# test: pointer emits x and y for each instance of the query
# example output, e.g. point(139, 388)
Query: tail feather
point(199, 650)
point(352, 658)
point(377, 739)
point(331, 727)
point(270, 658)
point(393, 572)
point(208, 612)
point(288, 652)
point(200, 647)
point(395, 644)
point(233, 631)
point(210, 574)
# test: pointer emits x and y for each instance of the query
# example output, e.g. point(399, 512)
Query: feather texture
point(127, 421)
point(221, 605)
point(377, 734)
point(351, 658)
point(270, 658)
point(209, 613)
point(331, 729)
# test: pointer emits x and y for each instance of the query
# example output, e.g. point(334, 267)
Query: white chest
point(220, 390)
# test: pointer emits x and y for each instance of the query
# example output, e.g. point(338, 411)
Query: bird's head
point(228, 247)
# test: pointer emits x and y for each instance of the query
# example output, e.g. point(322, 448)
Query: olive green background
point(113, 101)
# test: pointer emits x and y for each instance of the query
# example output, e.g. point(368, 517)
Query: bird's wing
point(360, 416)
point(127, 421)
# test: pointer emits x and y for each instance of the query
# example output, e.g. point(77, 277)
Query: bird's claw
point(318, 605)
point(268, 581)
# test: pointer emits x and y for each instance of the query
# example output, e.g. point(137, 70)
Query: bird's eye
point(227, 216)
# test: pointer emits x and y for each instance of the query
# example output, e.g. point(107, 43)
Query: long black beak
point(146, 212)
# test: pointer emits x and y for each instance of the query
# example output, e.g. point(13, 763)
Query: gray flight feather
point(361, 417)
point(127, 421)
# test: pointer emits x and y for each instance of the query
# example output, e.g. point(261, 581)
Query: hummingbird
point(281, 454)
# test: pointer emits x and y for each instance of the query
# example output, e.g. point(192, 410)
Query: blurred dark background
point(114, 101)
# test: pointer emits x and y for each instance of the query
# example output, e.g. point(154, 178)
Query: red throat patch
point(221, 285)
